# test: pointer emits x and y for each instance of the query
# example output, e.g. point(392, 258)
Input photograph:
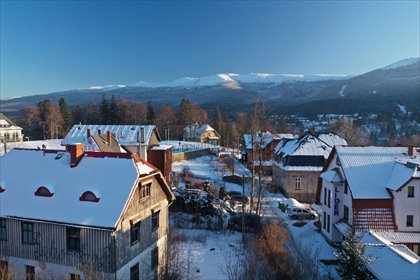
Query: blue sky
point(51, 46)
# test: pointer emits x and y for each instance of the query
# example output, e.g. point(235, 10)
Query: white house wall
point(404, 205)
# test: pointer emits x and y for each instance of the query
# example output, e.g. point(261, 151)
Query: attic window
point(1, 189)
point(43, 191)
point(89, 196)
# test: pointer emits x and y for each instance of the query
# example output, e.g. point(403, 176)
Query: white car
point(301, 213)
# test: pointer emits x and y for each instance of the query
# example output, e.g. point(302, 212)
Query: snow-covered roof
point(297, 168)
point(197, 130)
point(262, 139)
point(310, 145)
point(371, 170)
point(390, 261)
point(400, 236)
point(332, 176)
point(125, 134)
point(110, 176)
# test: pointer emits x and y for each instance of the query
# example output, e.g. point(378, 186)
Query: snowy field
point(205, 252)
point(211, 169)
point(54, 144)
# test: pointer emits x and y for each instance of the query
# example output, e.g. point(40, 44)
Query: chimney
point(89, 133)
point(99, 131)
point(76, 153)
point(108, 137)
point(301, 132)
point(142, 146)
point(410, 151)
point(142, 135)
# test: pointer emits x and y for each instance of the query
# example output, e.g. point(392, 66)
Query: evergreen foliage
point(351, 258)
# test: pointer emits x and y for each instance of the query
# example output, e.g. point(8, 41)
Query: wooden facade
point(103, 251)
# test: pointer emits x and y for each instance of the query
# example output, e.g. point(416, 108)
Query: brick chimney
point(89, 133)
point(99, 131)
point(108, 137)
point(410, 151)
point(76, 153)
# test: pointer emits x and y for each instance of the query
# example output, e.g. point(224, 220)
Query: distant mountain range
point(378, 90)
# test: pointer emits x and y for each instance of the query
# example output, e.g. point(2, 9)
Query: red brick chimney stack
point(89, 133)
point(410, 151)
point(76, 153)
point(108, 137)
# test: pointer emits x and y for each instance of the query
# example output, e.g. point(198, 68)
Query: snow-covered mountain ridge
point(231, 80)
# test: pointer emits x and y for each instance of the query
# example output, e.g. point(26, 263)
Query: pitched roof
point(102, 144)
point(263, 139)
point(197, 130)
point(6, 121)
point(110, 176)
point(309, 145)
point(125, 134)
point(371, 170)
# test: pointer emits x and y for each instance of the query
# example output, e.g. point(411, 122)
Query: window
point(4, 270)
point(324, 224)
point(27, 233)
point(346, 188)
point(298, 181)
point(155, 220)
point(134, 272)
point(73, 238)
point(30, 272)
point(346, 214)
point(135, 232)
point(3, 232)
point(89, 196)
point(328, 223)
point(74, 276)
point(43, 191)
point(154, 258)
point(329, 198)
point(410, 221)
point(410, 191)
point(144, 190)
point(325, 196)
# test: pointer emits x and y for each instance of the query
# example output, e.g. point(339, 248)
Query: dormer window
point(89, 196)
point(43, 191)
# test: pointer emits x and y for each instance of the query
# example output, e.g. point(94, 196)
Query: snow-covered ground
point(306, 240)
point(205, 252)
point(54, 144)
point(211, 169)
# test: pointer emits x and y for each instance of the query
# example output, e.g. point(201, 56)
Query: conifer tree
point(150, 112)
point(351, 258)
point(104, 110)
point(65, 114)
point(113, 115)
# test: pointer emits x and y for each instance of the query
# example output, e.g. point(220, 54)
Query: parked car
point(301, 213)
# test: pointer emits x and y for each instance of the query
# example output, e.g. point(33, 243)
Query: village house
point(80, 214)
point(261, 146)
point(298, 163)
point(372, 188)
point(9, 131)
point(140, 139)
point(202, 133)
